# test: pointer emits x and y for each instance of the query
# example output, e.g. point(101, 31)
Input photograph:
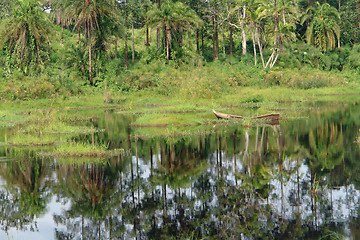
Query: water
point(299, 179)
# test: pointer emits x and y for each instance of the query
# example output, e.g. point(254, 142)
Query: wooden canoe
point(229, 116)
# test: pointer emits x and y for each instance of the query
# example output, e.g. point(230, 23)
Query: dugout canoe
point(219, 115)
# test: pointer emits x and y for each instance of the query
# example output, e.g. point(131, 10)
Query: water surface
point(296, 180)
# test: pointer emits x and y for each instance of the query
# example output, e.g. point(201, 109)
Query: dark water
point(296, 180)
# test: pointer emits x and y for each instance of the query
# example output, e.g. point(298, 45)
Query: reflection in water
point(296, 180)
point(26, 193)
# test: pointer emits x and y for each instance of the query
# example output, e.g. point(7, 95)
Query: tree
point(172, 17)
point(323, 30)
point(88, 14)
point(25, 33)
point(350, 19)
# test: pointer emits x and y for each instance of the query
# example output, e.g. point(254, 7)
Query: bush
point(305, 78)
point(354, 58)
point(24, 88)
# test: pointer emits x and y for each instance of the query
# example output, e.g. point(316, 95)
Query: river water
point(298, 179)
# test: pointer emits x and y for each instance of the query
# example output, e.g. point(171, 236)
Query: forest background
point(197, 49)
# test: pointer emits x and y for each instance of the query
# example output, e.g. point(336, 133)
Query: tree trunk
point(231, 35)
point(340, 20)
point(224, 50)
point(62, 35)
point(126, 52)
point(168, 43)
point(197, 41)
point(243, 35)
point(356, 23)
point(158, 29)
point(48, 47)
point(259, 45)
point(214, 48)
point(202, 43)
point(79, 35)
point(254, 46)
point(158, 38)
point(243, 40)
point(116, 49)
point(90, 65)
point(189, 39)
point(307, 20)
point(147, 43)
point(217, 38)
point(133, 44)
point(231, 42)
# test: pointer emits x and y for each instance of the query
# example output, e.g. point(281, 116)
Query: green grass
point(56, 127)
point(151, 108)
point(81, 150)
point(24, 140)
point(10, 118)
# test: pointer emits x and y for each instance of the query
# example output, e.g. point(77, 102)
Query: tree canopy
point(185, 30)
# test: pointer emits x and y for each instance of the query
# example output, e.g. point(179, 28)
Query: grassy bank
point(151, 107)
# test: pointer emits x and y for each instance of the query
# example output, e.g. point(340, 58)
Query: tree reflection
point(90, 190)
point(296, 180)
point(26, 194)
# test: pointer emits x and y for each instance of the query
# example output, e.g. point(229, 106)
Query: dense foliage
point(57, 47)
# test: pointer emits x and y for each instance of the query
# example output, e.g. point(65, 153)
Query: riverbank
point(155, 108)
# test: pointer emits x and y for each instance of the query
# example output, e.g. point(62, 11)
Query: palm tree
point(172, 17)
point(25, 32)
point(88, 15)
point(323, 30)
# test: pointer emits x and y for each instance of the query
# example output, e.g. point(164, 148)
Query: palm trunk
point(168, 43)
point(115, 48)
point(231, 41)
point(79, 35)
point(215, 41)
point(224, 50)
point(62, 35)
point(126, 52)
point(216, 38)
point(197, 41)
point(158, 37)
point(356, 23)
point(307, 20)
point(90, 64)
point(133, 44)
point(214, 48)
point(48, 47)
point(158, 29)
point(231, 35)
point(147, 43)
point(340, 20)
point(189, 39)
point(202, 43)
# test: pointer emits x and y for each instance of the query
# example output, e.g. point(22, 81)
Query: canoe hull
point(229, 116)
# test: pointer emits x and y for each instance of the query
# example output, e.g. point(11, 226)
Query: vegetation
point(106, 108)
point(205, 48)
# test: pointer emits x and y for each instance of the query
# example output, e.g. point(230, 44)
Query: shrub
point(354, 58)
point(305, 78)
